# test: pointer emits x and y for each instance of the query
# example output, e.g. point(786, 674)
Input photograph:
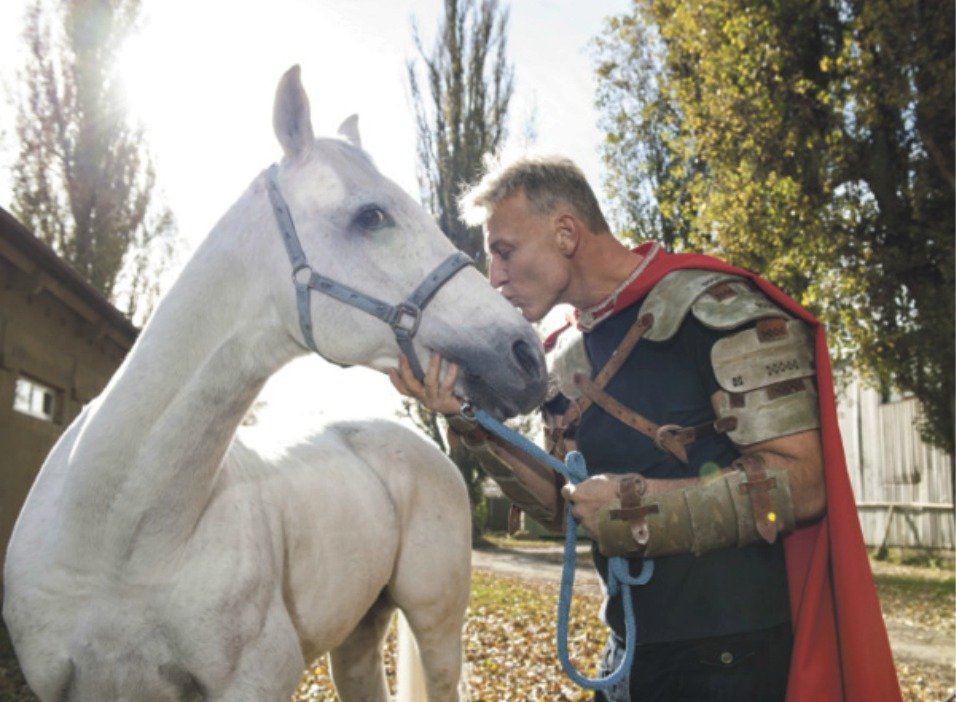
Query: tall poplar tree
point(811, 142)
point(83, 180)
point(461, 89)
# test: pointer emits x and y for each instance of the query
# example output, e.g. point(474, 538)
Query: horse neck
point(145, 463)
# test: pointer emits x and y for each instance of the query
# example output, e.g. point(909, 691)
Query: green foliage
point(810, 142)
point(82, 180)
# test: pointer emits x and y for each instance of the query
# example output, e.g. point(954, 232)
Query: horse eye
point(371, 218)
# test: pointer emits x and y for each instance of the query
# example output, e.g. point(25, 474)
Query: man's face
point(526, 264)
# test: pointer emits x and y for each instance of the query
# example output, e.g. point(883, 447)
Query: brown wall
point(54, 332)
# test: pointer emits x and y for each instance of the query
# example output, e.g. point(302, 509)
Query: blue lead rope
point(619, 577)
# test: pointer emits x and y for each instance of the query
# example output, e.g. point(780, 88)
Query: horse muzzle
point(504, 384)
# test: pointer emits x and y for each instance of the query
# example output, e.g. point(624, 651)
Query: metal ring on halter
point(295, 274)
point(400, 312)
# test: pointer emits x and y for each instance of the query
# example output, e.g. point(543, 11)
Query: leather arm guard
point(495, 465)
point(738, 508)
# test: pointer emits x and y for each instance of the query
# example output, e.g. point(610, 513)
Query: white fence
point(903, 487)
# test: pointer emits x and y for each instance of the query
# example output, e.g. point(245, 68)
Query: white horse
point(160, 558)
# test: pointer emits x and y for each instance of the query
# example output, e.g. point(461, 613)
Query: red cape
point(840, 650)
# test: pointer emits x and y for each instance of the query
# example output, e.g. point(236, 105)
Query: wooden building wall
point(56, 333)
point(903, 486)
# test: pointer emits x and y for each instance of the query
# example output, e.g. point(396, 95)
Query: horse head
point(374, 275)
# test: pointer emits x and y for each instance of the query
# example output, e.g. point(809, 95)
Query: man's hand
point(587, 497)
point(436, 393)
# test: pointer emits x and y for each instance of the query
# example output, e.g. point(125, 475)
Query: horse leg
point(358, 669)
point(440, 647)
point(435, 606)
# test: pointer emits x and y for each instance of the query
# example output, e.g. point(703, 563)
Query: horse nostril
point(525, 357)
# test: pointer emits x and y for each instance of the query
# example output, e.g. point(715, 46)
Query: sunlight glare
point(139, 71)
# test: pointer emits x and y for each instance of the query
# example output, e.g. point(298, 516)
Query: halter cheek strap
point(404, 318)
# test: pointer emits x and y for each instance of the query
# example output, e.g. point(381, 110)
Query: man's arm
point(800, 455)
point(765, 391)
point(531, 485)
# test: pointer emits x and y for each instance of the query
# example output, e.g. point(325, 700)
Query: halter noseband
point(403, 318)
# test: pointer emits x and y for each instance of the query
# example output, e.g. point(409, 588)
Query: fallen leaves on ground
point(510, 652)
point(510, 641)
point(510, 649)
point(917, 596)
point(920, 599)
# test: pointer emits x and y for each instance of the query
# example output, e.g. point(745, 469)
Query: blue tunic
point(671, 382)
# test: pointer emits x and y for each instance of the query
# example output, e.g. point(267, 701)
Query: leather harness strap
point(670, 438)
point(631, 492)
point(578, 407)
point(758, 488)
point(667, 440)
point(623, 350)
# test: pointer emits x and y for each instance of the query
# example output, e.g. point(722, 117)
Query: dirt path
point(910, 641)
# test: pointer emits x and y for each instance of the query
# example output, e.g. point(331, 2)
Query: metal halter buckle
point(401, 311)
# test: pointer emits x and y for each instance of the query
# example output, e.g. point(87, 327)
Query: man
point(691, 388)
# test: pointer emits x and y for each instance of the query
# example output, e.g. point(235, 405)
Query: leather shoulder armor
point(766, 371)
point(568, 357)
point(767, 375)
point(733, 303)
point(671, 299)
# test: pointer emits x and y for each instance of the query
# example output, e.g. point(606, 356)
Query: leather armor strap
point(524, 488)
point(670, 438)
point(610, 369)
point(758, 487)
point(468, 429)
point(688, 435)
point(623, 350)
point(666, 440)
point(631, 491)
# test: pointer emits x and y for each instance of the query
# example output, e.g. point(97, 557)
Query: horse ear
point(349, 129)
point(291, 116)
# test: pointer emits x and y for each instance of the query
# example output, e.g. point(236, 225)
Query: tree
point(461, 91)
point(463, 117)
point(83, 180)
point(813, 143)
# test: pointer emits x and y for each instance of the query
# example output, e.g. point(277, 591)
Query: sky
point(201, 76)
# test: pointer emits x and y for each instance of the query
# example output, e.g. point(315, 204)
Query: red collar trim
point(590, 317)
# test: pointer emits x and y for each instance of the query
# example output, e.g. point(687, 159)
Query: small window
point(35, 399)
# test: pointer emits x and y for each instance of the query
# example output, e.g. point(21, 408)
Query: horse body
point(160, 556)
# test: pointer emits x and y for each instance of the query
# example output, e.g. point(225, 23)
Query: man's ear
point(568, 234)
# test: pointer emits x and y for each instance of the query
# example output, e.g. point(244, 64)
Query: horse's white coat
point(159, 557)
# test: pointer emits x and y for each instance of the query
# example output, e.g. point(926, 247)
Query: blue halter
point(403, 318)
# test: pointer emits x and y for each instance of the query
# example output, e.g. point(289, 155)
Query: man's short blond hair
point(546, 182)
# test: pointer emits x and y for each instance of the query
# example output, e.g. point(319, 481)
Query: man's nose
point(496, 275)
